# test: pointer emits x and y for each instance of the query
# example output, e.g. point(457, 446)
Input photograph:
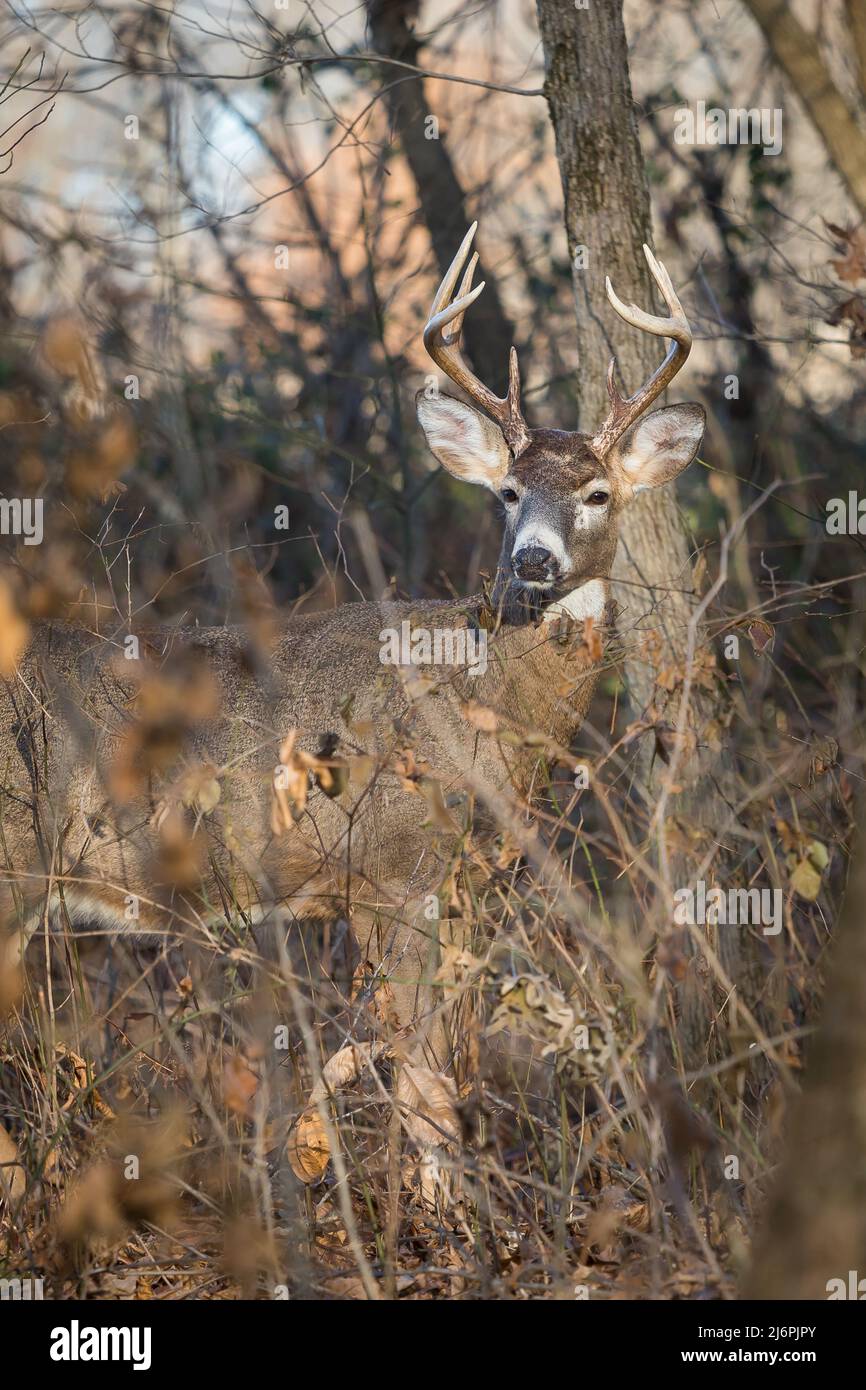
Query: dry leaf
point(671, 954)
point(14, 633)
point(75, 1073)
point(592, 639)
point(761, 634)
point(239, 1085)
point(13, 1179)
point(824, 756)
point(291, 784)
point(851, 243)
point(806, 876)
point(307, 1149)
point(438, 814)
point(853, 312)
point(292, 779)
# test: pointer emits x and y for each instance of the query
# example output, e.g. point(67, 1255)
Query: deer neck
point(546, 668)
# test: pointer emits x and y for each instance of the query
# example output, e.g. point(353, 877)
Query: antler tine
point(624, 411)
point(444, 347)
point(449, 280)
point(455, 327)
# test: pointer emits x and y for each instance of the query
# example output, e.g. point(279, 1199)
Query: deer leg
point(422, 1012)
point(404, 943)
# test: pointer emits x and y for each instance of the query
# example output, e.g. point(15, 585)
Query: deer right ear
point(464, 441)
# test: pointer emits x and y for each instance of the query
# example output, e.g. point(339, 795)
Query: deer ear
point(463, 440)
point(660, 445)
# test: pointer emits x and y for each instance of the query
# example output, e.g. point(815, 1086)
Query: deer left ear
point(660, 445)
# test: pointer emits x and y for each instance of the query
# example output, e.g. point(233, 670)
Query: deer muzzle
point(533, 564)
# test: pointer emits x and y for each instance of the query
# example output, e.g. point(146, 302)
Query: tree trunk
point(607, 212)
point(796, 53)
point(815, 1226)
point(487, 332)
point(607, 219)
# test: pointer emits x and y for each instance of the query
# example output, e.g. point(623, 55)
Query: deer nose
point(533, 562)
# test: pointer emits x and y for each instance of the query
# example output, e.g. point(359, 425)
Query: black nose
point(533, 562)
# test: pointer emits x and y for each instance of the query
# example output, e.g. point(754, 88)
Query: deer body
point(70, 836)
point(381, 841)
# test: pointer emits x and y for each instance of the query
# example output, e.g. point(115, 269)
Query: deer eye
point(509, 496)
point(597, 499)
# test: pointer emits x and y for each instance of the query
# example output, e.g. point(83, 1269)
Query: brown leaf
point(307, 1149)
point(853, 312)
point(761, 634)
point(825, 756)
point(851, 242)
point(239, 1085)
point(292, 779)
point(592, 639)
point(75, 1073)
point(13, 1178)
point(291, 784)
point(671, 954)
point(14, 632)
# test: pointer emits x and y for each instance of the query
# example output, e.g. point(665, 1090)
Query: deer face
point(561, 500)
point(562, 492)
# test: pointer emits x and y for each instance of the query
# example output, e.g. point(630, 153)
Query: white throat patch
point(588, 601)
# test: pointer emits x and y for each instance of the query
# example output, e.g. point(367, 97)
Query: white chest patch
point(586, 602)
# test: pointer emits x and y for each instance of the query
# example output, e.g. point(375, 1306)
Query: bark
point(487, 332)
point(607, 211)
point(796, 53)
point(856, 14)
point(815, 1225)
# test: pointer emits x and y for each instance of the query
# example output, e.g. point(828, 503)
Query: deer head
point(563, 491)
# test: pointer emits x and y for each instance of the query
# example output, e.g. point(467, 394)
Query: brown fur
point(70, 830)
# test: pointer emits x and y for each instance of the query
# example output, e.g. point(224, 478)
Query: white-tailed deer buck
point(140, 795)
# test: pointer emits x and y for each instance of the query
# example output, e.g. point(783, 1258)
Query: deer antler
point(444, 347)
point(624, 412)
